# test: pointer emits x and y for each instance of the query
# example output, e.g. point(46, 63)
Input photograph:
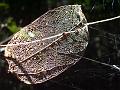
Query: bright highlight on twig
point(58, 35)
point(105, 20)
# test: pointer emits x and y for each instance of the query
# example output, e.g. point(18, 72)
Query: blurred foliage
point(15, 14)
point(4, 6)
point(11, 25)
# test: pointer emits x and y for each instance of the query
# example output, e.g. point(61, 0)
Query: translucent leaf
point(35, 60)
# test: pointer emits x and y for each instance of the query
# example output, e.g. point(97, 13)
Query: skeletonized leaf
point(35, 60)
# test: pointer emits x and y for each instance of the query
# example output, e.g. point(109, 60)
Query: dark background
point(104, 44)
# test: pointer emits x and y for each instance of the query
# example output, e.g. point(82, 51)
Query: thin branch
point(95, 61)
point(105, 20)
point(47, 38)
point(2, 48)
point(25, 43)
point(61, 33)
point(105, 64)
point(7, 39)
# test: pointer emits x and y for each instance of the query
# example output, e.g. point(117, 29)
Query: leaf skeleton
point(50, 45)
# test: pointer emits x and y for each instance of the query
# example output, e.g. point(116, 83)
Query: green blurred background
point(15, 14)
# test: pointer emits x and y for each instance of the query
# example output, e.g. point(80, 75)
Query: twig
point(105, 64)
point(106, 20)
point(91, 23)
point(7, 39)
point(95, 61)
point(2, 48)
point(47, 38)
